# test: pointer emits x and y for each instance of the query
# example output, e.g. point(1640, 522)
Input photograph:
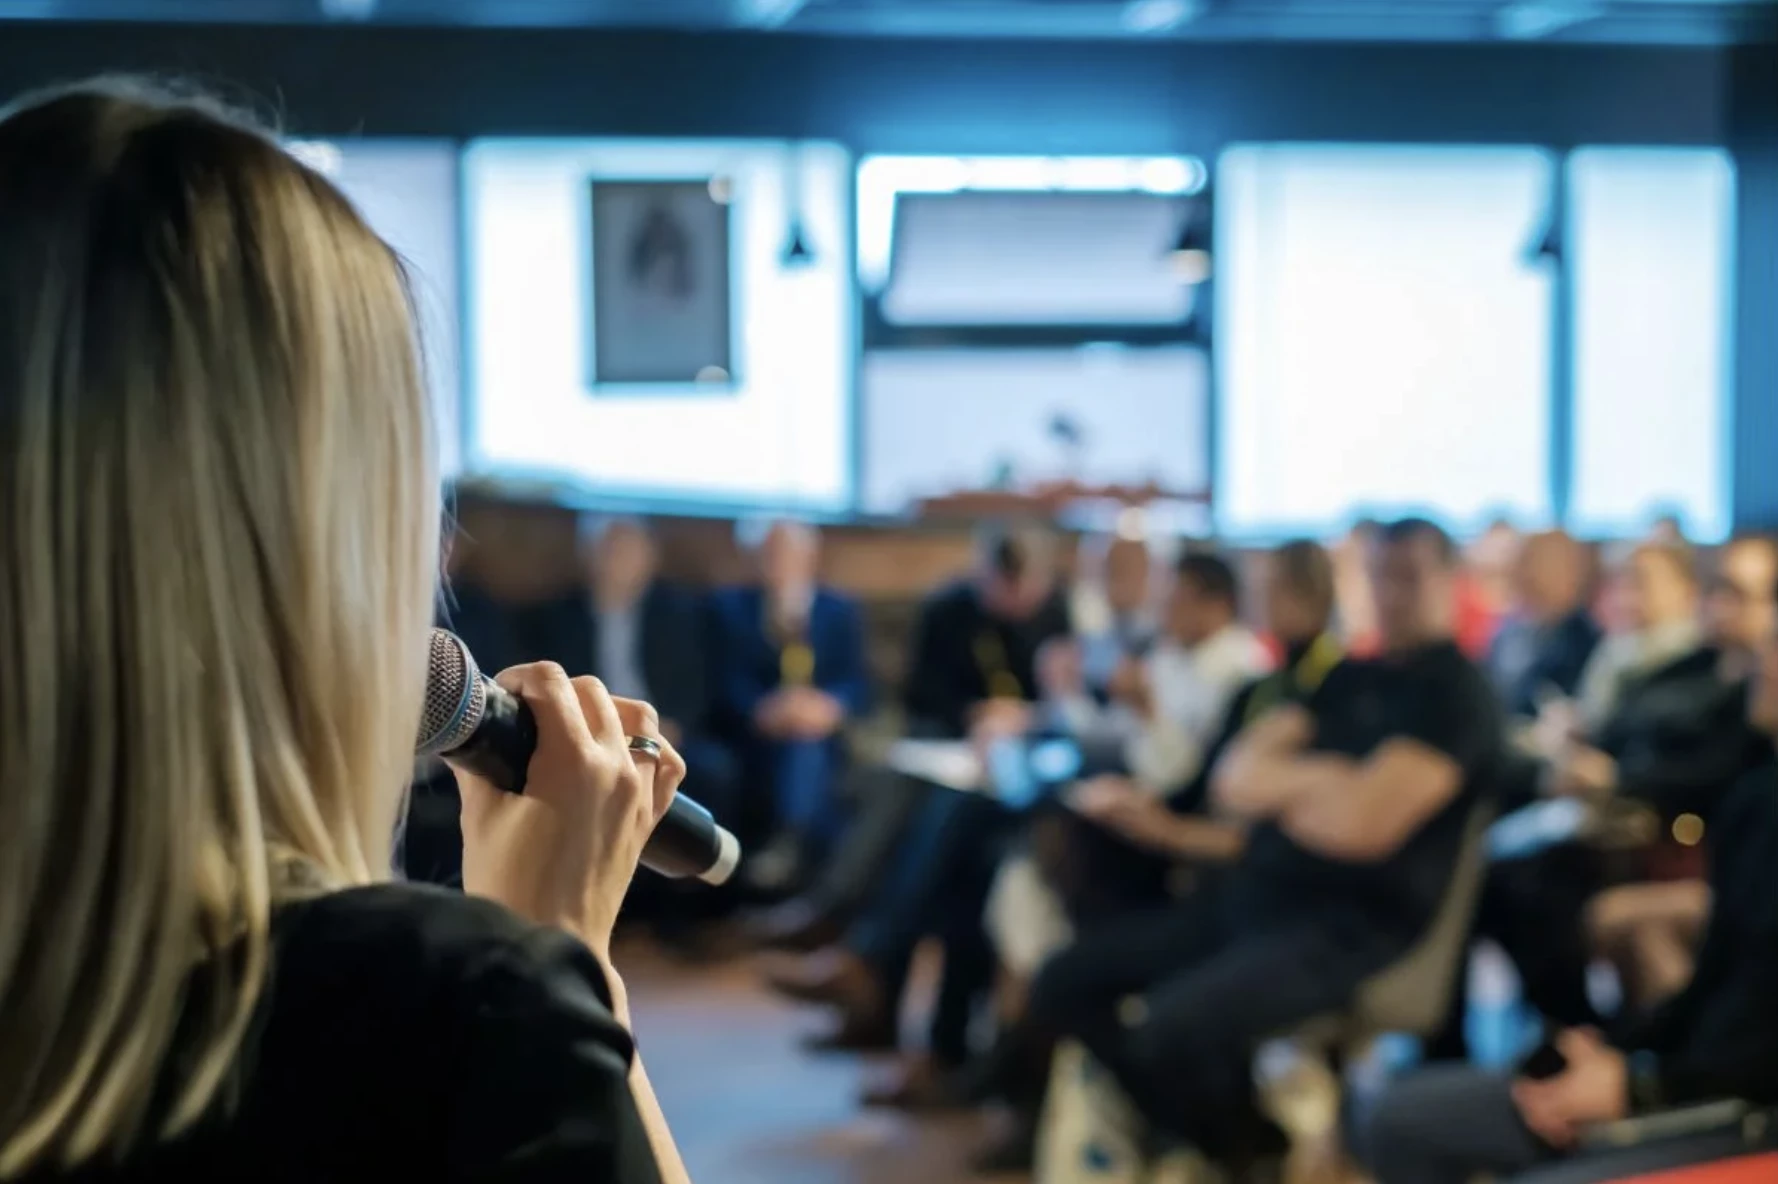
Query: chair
point(1298, 1075)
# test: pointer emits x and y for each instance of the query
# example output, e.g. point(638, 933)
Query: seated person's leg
point(1650, 933)
point(1077, 993)
point(969, 962)
point(1535, 908)
point(1185, 1053)
point(866, 976)
point(1448, 1124)
point(794, 778)
point(887, 804)
point(805, 793)
point(933, 1077)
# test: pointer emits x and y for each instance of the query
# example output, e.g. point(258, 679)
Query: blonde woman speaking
point(218, 531)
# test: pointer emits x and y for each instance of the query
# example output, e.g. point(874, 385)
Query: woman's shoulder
point(507, 1027)
point(414, 931)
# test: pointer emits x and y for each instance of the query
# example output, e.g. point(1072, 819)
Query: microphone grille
point(455, 697)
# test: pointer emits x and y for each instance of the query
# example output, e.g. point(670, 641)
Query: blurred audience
point(1355, 616)
point(788, 663)
point(1687, 762)
point(1358, 804)
point(1548, 634)
point(1298, 606)
point(1234, 851)
point(634, 631)
point(1112, 605)
point(1717, 1039)
point(919, 854)
point(1110, 846)
point(1162, 707)
point(1656, 590)
point(1484, 586)
point(973, 668)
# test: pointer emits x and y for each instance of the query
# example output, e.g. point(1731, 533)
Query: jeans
point(939, 887)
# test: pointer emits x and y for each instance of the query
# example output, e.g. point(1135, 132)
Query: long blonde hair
point(218, 534)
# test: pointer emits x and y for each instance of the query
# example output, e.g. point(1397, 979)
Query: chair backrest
point(1413, 994)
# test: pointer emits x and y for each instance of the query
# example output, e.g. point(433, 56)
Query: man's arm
point(1265, 768)
point(930, 692)
point(1199, 840)
point(1176, 741)
point(1194, 796)
point(1365, 811)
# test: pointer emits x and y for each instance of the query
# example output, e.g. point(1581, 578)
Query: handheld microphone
point(486, 729)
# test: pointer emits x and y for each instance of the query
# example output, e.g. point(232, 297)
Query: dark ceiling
point(1607, 21)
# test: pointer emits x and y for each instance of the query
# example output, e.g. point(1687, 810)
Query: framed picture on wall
point(661, 270)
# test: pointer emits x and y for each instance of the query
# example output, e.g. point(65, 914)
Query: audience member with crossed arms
point(1357, 807)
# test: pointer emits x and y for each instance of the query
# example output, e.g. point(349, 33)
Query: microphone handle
point(499, 749)
point(686, 843)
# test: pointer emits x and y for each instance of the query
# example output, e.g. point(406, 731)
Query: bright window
point(1383, 338)
point(947, 421)
point(407, 191)
point(780, 437)
point(1650, 239)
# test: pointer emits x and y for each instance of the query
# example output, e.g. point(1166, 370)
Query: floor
point(748, 1106)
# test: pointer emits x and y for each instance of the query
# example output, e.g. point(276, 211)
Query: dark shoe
point(833, 976)
point(776, 869)
point(797, 925)
point(918, 1083)
point(852, 1034)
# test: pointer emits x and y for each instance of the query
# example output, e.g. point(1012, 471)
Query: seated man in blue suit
point(788, 657)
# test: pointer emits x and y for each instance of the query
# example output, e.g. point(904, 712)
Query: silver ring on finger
point(645, 746)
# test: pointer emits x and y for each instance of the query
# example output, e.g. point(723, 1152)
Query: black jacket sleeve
point(934, 694)
point(1719, 1037)
point(544, 1091)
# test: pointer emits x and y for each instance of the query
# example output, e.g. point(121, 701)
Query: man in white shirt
point(1165, 708)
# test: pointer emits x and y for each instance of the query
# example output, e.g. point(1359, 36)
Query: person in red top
point(1477, 617)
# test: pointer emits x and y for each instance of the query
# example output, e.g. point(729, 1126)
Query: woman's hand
point(564, 852)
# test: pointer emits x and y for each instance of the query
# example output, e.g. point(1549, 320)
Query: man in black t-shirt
point(1357, 805)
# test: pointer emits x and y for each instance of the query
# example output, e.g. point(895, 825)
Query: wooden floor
point(748, 1106)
